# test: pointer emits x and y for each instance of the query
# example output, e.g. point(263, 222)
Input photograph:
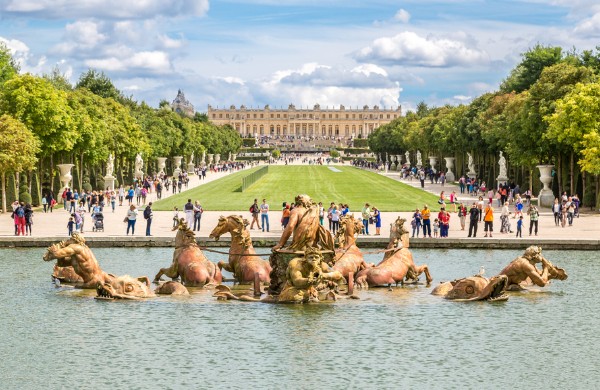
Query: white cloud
point(409, 48)
point(169, 43)
point(462, 98)
point(16, 47)
point(589, 27)
point(153, 62)
point(117, 9)
point(402, 16)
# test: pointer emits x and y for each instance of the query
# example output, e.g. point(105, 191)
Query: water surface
point(406, 338)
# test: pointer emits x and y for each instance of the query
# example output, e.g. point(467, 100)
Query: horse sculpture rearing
point(397, 264)
point(189, 262)
point(348, 257)
point(243, 261)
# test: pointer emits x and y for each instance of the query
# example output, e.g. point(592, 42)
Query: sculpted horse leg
point(171, 272)
point(423, 268)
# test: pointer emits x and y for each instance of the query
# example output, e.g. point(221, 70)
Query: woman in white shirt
point(131, 218)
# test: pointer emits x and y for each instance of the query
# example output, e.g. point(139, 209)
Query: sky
point(301, 52)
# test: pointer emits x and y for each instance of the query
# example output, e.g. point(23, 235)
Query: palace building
point(181, 105)
point(316, 122)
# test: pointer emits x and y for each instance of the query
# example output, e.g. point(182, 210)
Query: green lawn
point(282, 183)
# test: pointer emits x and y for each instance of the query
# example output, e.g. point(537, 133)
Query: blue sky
point(277, 52)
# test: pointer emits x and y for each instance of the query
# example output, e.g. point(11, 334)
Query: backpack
point(252, 208)
point(147, 213)
point(20, 212)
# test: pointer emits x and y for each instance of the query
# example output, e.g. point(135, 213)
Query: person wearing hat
point(148, 217)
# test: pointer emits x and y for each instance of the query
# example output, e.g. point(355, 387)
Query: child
point(436, 227)
point(520, 227)
point(71, 226)
point(175, 216)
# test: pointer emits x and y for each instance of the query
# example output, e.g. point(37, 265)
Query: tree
point(58, 80)
point(8, 66)
point(529, 70)
point(18, 148)
point(99, 84)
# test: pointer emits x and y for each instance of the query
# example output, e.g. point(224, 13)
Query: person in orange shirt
point(426, 213)
point(488, 219)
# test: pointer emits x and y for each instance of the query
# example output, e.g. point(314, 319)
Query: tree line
point(546, 111)
point(45, 121)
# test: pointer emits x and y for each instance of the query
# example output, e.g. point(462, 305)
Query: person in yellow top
point(488, 219)
point(425, 213)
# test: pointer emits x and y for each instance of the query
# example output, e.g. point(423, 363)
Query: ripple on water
point(54, 338)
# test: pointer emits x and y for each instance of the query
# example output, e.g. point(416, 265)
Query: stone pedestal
point(65, 176)
point(109, 182)
point(161, 165)
point(177, 165)
point(432, 162)
point(449, 165)
point(546, 196)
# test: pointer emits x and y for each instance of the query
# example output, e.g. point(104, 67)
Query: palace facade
point(316, 122)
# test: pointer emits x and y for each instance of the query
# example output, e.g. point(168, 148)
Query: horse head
point(185, 236)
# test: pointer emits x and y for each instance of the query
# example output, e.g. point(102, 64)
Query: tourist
point(480, 204)
point(462, 215)
point(425, 214)
point(416, 222)
point(77, 219)
point(121, 195)
point(473, 220)
point(442, 199)
point(138, 194)
point(113, 200)
point(50, 200)
point(188, 208)
point(570, 210)
point(444, 222)
point(255, 211)
point(366, 216)
point(556, 210)
point(64, 198)
point(198, 210)
point(44, 203)
point(534, 215)
point(264, 215)
point(148, 217)
point(453, 201)
point(488, 219)
point(70, 226)
point(422, 178)
point(158, 187)
point(285, 218)
point(520, 227)
point(321, 213)
point(504, 221)
point(518, 206)
point(335, 219)
point(175, 216)
point(377, 218)
point(436, 227)
point(144, 193)
point(28, 219)
point(81, 212)
point(130, 195)
point(130, 219)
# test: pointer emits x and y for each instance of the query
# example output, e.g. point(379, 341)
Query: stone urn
point(65, 175)
point(432, 162)
point(217, 158)
point(161, 164)
point(233, 157)
point(177, 165)
point(546, 196)
point(210, 158)
point(449, 165)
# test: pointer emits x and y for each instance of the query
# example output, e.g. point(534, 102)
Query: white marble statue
point(139, 163)
point(419, 161)
point(191, 159)
point(110, 165)
point(407, 155)
point(502, 164)
point(471, 164)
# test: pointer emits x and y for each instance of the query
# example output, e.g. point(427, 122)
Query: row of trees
point(45, 121)
point(547, 111)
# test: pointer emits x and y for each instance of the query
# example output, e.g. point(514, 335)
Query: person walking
point(264, 215)
point(488, 219)
point(131, 218)
point(556, 210)
point(416, 222)
point(462, 215)
point(335, 219)
point(28, 219)
point(255, 211)
point(473, 220)
point(520, 227)
point(148, 217)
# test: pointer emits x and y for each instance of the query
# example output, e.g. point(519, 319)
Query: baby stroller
point(98, 222)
